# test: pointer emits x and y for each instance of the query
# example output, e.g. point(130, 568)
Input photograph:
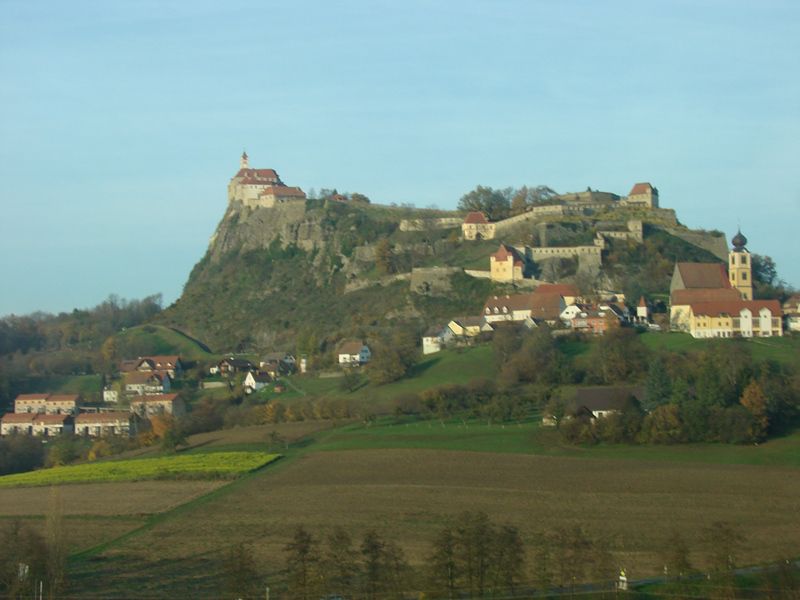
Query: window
point(744, 276)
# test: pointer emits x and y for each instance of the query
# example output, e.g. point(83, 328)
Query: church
point(708, 301)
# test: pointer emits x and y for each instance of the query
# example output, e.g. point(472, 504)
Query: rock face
point(244, 228)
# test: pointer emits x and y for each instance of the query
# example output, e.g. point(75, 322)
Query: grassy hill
point(157, 339)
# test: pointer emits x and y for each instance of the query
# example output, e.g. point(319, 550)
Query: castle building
point(506, 265)
point(477, 227)
point(740, 267)
point(642, 194)
point(260, 187)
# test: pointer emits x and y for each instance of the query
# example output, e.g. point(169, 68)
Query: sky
point(122, 122)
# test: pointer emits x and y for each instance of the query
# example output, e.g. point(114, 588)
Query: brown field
point(104, 499)
point(407, 495)
point(259, 434)
point(82, 532)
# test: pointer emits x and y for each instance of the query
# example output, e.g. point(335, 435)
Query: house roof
point(504, 252)
point(135, 377)
point(642, 302)
point(565, 289)
point(64, 398)
point(433, 331)
point(102, 417)
point(156, 398)
point(351, 347)
point(129, 365)
point(641, 188)
point(29, 397)
point(256, 175)
point(164, 359)
point(733, 307)
point(51, 419)
point(703, 275)
point(18, 417)
point(475, 217)
point(283, 190)
point(468, 321)
point(606, 398)
point(239, 363)
point(546, 306)
point(685, 297)
point(279, 356)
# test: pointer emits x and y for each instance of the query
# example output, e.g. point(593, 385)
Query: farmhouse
point(256, 381)
point(160, 404)
point(434, 339)
point(230, 366)
point(598, 402)
point(353, 352)
point(96, 424)
point(468, 327)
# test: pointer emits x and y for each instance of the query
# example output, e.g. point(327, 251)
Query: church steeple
point(740, 267)
point(243, 163)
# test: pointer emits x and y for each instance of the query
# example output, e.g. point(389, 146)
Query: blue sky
point(122, 122)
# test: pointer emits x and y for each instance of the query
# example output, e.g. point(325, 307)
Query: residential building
point(598, 402)
point(468, 327)
point(433, 339)
point(791, 313)
point(231, 366)
point(735, 318)
point(353, 353)
point(146, 382)
point(96, 424)
point(256, 381)
point(158, 404)
point(51, 404)
point(530, 308)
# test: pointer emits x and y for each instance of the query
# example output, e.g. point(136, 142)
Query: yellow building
point(506, 265)
point(740, 267)
point(735, 318)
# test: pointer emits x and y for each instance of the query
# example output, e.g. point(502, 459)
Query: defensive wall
point(427, 224)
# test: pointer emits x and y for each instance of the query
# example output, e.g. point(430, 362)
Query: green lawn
point(529, 438)
point(217, 465)
point(782, 349)
point(445, 367)
point(156, 339)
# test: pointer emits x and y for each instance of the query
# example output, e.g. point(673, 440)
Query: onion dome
point(739, 241)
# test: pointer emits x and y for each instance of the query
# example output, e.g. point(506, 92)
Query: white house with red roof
point(354, 353)
point(95, 424)
point(260, 187)
point(36, 424)
point(51, 404)
point(477, 227)
point(158, 404)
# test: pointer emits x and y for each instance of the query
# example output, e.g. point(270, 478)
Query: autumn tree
point(495, 204)
point(239, 568)
point(442, 566)
point(755, 401)
point(384, 257)
point(340, 564)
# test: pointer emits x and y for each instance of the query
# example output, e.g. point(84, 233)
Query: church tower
point(243, 162)
point(740, 267)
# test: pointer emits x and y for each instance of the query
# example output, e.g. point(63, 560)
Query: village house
point(146, 382)
point(463, 328)
point(231, 366)
point(569, 292)
point(735, 318)
point(533, 308)
point(170, 364)
point(435, 338)
point(277, 363)
point(159, 404)
point(51, 404)
point(353, 353)
point(791, 313)
point(595, 320)
point(597, 402)
point(256, 381)
point(96, 424)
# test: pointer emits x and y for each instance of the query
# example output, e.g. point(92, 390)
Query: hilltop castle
point(258, 188)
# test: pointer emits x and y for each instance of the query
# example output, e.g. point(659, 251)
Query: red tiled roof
point(733, 307)
point(51, 419)
point(143, 376)
point(351, 347)
point(703, 275)
point(156, 398)
point(283, 190)
point(256, 175)
point(33, 396)
point(564, 289)
point(103, 417)
point(684, 297)
point(641, 188)
point(545, 306)
point(504, 252)
point(510, 302)
point(63, 398)
point(468, 321)
point(18, 417)
point(475, 218)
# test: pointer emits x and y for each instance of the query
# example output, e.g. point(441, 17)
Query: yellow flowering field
point(212, 465)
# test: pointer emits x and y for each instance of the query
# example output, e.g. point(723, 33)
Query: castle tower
point(243, 163)
point(740, 267)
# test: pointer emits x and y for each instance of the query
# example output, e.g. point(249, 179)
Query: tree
point(239, 567)
point(56, 544)
point(676, 557)
point(339, 564)
point(508, 560)
point(474, 539)
point(442, 567)
point(755, 401)
point(659, 385)
point(384, 257)
point(724, 543)
point(373, 560)
point(173, 437)
point(302, 560)
point(23, 559)
point(494, 203)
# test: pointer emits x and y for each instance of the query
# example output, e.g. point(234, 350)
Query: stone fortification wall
point(426, 224)
point(714, 244)
point(432, 280)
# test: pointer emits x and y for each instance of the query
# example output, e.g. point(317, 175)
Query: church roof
point(684, 297)
point(703, 275)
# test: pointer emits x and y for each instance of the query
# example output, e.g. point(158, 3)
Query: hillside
point(305, 276)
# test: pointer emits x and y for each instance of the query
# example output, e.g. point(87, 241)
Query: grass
point(782, 349)
point(157, 339)
point(217, 465)
point(446, 367)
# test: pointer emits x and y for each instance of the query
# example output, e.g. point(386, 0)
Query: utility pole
point(267, 593)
